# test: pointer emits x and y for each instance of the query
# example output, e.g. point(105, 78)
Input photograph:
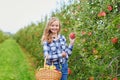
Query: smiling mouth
point(54, 29)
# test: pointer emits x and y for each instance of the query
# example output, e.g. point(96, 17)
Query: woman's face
point(54, 27)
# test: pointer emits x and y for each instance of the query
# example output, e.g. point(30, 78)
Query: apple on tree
point(110, 7)
point(115, 78)
point(102, 14)
point(114, 40)
point(69, 71)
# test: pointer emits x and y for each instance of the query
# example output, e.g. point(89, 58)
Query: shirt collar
point(58, 38)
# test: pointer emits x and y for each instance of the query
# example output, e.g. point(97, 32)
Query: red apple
point(115, 78)
point(114, 40)
point(72, 35)
point(103, 13)
point(69, 71)
point(57, 71)
point(109, 7)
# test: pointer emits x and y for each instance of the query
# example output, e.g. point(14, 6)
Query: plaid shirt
point(55, 49)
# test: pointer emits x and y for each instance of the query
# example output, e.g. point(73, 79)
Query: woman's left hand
point(72, 41)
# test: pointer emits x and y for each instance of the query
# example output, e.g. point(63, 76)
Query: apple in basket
point(52, 67)
point(46, 66)
point(57, 71)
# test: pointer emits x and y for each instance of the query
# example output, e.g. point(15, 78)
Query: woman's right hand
point(64, 54)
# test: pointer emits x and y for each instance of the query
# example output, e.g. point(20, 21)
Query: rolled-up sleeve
point(69, 48)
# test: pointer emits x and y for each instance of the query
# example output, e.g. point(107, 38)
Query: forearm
point(69, 50)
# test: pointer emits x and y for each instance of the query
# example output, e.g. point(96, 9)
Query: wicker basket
point(46, 73)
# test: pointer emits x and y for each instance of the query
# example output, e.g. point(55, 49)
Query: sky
point(16, 14)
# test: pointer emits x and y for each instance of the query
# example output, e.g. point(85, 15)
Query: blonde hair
point(47, 35)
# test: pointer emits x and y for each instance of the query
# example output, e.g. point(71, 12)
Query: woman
point(55, 47)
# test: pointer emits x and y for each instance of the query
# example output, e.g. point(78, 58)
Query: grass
point(13, 62)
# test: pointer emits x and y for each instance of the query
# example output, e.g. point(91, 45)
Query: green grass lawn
point(13, 62)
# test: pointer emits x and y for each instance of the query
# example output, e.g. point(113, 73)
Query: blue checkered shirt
point(55, 49)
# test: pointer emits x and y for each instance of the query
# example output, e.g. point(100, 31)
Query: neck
point(54, 36)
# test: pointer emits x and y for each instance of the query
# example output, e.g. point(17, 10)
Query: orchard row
point(96, 52)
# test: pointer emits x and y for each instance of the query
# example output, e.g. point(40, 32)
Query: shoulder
point(44, 43)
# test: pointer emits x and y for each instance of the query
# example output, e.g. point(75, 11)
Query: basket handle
point(45, 61)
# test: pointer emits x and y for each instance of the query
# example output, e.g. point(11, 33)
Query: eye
point(57, 25)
